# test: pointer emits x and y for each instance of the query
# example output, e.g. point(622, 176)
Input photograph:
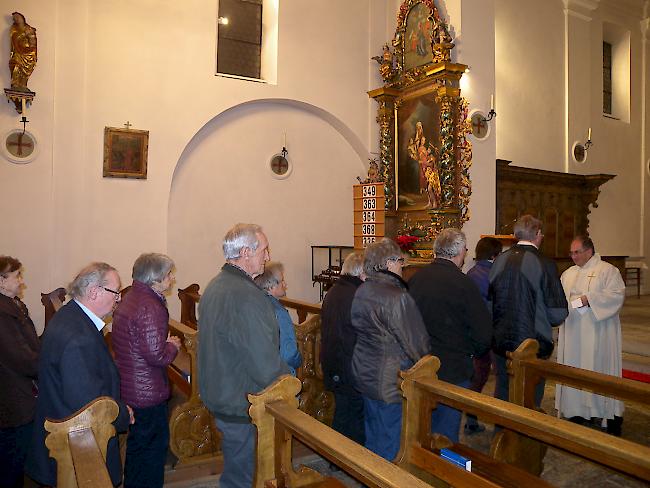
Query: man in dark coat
point(456, 318)
point(75, 367)
point(527, 300)
point(337, 344)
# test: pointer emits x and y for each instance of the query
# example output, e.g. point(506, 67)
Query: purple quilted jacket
point(142, 353)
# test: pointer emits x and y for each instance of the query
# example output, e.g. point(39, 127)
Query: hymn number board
point(369, 213)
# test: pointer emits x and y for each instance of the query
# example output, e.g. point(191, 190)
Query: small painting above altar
point(418, 143)
point(417, 45)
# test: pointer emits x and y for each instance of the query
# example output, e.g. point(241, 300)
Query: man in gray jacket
point(239, 351)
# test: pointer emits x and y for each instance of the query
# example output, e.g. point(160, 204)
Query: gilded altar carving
point(425, 156)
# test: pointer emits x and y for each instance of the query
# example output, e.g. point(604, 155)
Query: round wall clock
point(19, 146)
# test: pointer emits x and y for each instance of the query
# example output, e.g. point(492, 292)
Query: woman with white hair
point(390, 337)
point(143, 350)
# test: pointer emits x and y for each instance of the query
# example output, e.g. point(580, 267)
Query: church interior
point(545, 134)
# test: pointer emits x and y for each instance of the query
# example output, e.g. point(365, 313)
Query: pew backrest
point(52, 301)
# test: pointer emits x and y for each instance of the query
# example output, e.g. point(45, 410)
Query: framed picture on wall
point(125, 153)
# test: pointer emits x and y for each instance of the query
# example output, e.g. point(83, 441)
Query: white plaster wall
point(152, 63)
point(529, 46)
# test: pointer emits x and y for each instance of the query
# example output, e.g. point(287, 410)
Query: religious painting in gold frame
point(125, 153)
point(417, 36)
point(418, 153)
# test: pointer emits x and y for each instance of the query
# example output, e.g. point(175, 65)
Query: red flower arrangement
point(405, 242)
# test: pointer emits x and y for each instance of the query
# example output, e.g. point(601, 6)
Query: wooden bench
point(525, 371)
point(52, 302)
point(523, 431)
point(278, 420)
point(193, 433)
point(78, 443)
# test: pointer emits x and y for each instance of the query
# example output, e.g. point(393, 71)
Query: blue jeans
point(383, 423)
point(238, 448)
point(14, 443)
point(146, 448)
point(446, 420)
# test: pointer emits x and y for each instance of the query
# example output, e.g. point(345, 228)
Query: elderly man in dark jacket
point(239, 348)
point(390, 336)
point(75, 367)
point(143, 349)
point(456, 318)
point(337, 344)
point(527, 300)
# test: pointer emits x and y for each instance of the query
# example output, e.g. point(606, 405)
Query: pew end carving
point(79, 442)
point(189, 298)
point(193, 433)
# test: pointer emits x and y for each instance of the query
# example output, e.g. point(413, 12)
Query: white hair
point(240, 237)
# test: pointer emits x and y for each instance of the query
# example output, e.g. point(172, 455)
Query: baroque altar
point(424, 156)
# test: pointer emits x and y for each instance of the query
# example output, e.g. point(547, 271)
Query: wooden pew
point(314, 399)
point(278, 420)
point(526, 370)
point(78, 443)
point(193, 433)
point(52, 301)
point(422, 390)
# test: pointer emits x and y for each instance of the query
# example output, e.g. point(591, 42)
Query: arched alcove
point(222, 178)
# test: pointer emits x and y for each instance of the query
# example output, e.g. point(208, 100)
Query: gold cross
point(590, 276)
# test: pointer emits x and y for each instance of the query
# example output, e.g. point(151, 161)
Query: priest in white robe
point(590, 338)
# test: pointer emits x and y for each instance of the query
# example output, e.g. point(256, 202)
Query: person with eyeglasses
point(76, 367)
point(391, 336)
point(590, 337)
point(457, 320)
point(143, 349)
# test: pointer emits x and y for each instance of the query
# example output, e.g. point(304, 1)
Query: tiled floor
point(561, 469)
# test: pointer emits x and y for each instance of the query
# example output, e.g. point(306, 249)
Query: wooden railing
point(78, 443)
point(521, 426)
point(526, 370)
point(278, 420)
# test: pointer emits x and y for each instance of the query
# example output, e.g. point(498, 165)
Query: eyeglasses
point(397, 260)
point(575, 253)
point(116, 293)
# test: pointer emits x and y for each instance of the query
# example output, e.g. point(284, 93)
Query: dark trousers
point(14, 443)
point(348, 417)
point(383, 427)
point(238, 448)
point(482, 366)
point(146, 448)
point(446, 420)
point(502, 386)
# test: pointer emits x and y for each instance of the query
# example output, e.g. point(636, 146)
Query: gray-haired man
point(239, 349)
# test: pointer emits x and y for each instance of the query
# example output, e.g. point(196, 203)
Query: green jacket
point(239, 350)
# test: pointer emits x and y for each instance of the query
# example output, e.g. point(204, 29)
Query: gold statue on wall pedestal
point(22, 61)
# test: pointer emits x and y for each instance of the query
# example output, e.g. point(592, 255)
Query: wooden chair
point(78, 443)
point(278, 420)
point(511, 450)
point(52, 301)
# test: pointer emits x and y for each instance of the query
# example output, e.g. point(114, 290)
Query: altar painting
point(418, 154)
point(417, 37)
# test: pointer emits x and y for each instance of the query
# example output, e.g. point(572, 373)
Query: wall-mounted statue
point(22, 60)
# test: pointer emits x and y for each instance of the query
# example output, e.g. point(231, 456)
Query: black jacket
point(19, 349)
point(75, 367)
point(337, 335)
point(390, 336)
point(455, 315)
point(527, 299)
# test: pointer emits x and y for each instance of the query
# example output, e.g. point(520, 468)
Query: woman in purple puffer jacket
point(143, 350)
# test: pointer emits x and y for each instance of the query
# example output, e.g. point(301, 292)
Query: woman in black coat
point(19, 348)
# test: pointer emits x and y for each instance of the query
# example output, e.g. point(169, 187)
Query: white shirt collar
point(527, 243)
point(99, 323)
